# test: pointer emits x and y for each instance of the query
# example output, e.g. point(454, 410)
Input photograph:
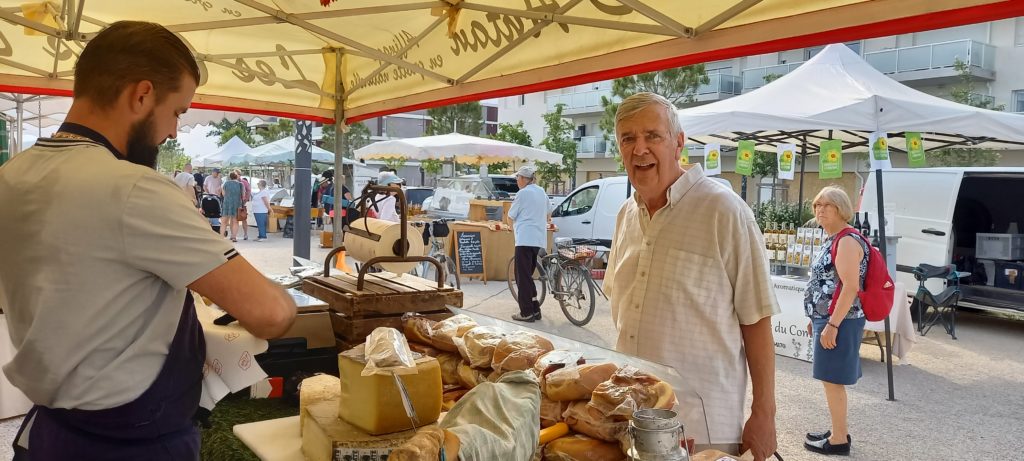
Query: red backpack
point(879, 290)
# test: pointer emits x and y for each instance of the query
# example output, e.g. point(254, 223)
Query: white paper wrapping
point(230, 356)
point(363, 249)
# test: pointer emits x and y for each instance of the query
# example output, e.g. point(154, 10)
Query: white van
point(589, 211)
point(938, 213)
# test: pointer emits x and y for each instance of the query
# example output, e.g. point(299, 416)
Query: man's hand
point(759, 436)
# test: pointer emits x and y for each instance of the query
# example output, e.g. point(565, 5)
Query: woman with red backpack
point(837, 317)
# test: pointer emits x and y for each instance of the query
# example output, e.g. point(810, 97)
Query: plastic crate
point(1009, 275)
point(1008, 247)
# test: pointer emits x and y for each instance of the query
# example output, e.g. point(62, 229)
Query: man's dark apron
point(158, 425)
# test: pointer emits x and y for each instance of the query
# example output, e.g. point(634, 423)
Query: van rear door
point(924, 201)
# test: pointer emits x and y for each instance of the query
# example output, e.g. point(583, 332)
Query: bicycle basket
point(580, 253)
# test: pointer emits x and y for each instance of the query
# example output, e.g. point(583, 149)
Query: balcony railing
point(592, 145)
point(754, 77)
point(584, 100)
point(721, 83)
point(933, 56)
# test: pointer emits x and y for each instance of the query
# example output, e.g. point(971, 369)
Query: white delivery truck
point(938, 214)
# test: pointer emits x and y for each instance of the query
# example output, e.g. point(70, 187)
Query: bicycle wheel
point(538, 282)
point(575, 292)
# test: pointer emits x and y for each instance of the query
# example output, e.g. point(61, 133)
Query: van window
point(579, 203)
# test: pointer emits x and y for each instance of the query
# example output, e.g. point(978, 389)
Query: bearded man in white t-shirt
point(187, 182)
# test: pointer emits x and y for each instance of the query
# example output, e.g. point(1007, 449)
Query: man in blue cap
point(529, 215)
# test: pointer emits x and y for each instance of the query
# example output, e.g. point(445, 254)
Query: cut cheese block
point(325, 437)
point(317, 389)
point(374, 404)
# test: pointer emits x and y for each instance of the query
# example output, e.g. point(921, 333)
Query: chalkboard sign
point(469, 252)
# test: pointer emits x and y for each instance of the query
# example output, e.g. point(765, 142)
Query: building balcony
point(583, 102)
point(933, 64)
point(591, 147)
point(753, 77)
point(720, 87)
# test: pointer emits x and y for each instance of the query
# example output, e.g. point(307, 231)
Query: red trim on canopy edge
point(272, 113)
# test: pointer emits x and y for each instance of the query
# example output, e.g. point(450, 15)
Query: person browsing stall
point(688, 279)
point(836, 336)
point(387, 203)
point(529, 215)
point(187, 182)
point(109, 347)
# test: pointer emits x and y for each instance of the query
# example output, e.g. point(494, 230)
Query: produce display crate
point(382, 301)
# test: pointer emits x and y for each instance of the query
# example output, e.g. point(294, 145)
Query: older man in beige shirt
point(688, 279)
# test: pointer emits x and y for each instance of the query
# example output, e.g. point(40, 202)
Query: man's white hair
point(640, 101)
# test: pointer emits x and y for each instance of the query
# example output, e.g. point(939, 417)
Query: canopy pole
point(803, 164)
point(882, 245)
point(303, 190)
point(340, 145)
point(19, 124)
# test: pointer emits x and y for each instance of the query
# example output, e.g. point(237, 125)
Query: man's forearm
point(759, 347)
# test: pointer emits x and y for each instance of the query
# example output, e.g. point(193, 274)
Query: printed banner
point(830, 161)
point(879, 151)
point(915, 150)
point(712, 159)
point(745, 158)
point(684, 157)
point(787, 160)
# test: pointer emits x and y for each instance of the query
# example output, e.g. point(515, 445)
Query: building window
point(1017, 98)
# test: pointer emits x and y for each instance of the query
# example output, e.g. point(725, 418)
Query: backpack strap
point(834, 250)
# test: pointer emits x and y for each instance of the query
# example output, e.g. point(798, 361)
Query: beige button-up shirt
point(682, 282)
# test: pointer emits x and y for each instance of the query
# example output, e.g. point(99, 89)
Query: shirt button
point(632, 337)
point(643, 274)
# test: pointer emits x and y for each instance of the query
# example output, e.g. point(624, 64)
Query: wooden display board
point(469, 254)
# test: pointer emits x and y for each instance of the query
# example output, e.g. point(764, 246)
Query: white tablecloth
point(12, 401)
point(790, 326)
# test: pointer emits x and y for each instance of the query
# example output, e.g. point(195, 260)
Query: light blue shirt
point(529, 215)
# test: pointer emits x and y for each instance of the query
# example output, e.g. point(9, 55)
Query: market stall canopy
point(234, 146)
point(838, 95)
point(367, 58)
point(279, 151)
point(463, 148)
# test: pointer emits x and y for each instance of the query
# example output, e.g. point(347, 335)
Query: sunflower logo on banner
point(684, 157)
point(787, 159)
point(745, 158)
point(830, 162)
point(915, 150)
point(879, 151)
point(712, 160)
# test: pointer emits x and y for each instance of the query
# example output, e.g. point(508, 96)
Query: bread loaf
point(630, 389)
point(425, 445)
point(519, 351)
point(477, 345)
point(417, 328)
point(578, 447)
point(449, 367)
point(551, 411)
point(445, 331)
point(589, 421)
point(469, 377)
point(577, 383)
point(554, 360)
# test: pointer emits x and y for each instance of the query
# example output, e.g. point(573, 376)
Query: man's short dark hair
point(128, 52)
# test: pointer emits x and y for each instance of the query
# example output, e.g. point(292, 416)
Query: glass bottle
point(866, 230)
point(856, 222)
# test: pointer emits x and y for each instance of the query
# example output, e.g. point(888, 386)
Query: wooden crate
point(357, 329)
point(383, 293)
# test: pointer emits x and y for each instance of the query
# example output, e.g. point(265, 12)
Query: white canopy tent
point(279, 151)
point(460, 147)
point(228, 151)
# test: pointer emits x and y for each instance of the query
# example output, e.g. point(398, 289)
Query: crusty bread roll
point(469, 377)
point(445, 331)
point(478, 344)
point(417, 328)
point(449, 367)
point(551, 411)
point(630, 389)
point(577, 383)
point(579, 447)
point(425, 445)
point(424, 349)
point(450, 398)
point(586, 420)
point(554, 360)
point(519, 351)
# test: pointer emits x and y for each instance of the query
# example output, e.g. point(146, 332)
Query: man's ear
point(141, 97)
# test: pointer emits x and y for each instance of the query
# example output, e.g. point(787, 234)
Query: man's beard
point(141, 149)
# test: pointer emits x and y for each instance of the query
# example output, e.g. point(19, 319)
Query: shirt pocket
point(691, 282)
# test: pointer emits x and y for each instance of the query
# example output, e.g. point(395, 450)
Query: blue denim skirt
point(840, 365)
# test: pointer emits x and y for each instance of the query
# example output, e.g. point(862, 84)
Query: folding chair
point(935, 308)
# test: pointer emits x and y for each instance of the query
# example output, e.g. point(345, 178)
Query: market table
point(278, 212)
point(790, 327)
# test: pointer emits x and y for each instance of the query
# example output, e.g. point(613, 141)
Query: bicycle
point(567, 271)
point(434, 233)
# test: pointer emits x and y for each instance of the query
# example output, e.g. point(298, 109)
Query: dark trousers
point(526, 263)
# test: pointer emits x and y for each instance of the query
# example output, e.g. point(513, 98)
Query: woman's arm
point(848, 257)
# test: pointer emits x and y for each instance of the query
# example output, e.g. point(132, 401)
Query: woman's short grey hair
point(640, 101)
point(836, 196)
point(262, 183)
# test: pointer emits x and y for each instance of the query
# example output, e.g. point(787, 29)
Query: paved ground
point(959, 399)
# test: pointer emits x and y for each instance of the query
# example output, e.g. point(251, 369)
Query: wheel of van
point(538, 282)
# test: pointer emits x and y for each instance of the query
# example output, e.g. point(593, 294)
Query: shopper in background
point(243, 211)
point(231, 195)
point(108, 345)
point(187, 182)
point(689, 281)
point(837, 335)
point(529, 215)
point(387, 203)
point(213, 183)
point(261, 210)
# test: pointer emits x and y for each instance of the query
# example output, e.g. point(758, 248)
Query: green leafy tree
point(466, 118)
point(171, 157)
point(513, 133)
point(963, 93)
point(358, 136)
point(225, 129)
point(678, 85)
point(432, 167)
point(395, 163)
point(284, 128)
point(558, 140)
